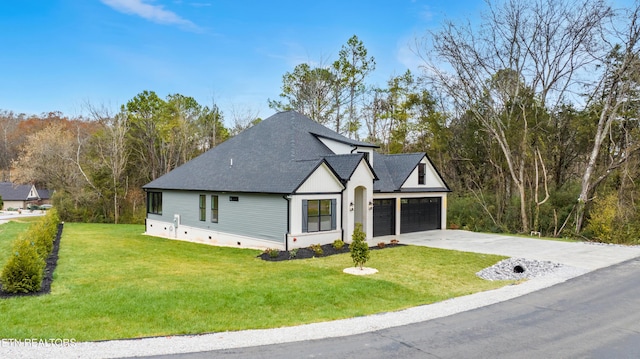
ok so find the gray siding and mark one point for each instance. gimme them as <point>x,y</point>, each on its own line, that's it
<point>261,216</point>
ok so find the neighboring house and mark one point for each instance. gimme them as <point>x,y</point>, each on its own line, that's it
<point>290,182</point>
<point>21,196</point>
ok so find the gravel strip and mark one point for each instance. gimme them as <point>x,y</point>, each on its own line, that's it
<point>518,268</point>
<point>247,338</point>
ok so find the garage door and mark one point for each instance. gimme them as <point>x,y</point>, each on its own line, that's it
<point>420,214</point>
<point>384,217</point>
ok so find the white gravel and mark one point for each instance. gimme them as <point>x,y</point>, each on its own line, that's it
<point>518,268</point>
<point>226,340</point>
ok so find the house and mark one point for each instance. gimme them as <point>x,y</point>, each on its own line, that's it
<point>290,182</point>
<point>21,196</point>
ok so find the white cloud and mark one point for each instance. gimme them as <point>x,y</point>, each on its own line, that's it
<point>155,13</point>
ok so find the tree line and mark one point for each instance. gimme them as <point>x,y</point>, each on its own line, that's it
<point>530,114</point>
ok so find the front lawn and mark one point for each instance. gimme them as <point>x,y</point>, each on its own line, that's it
<point>112,282</point>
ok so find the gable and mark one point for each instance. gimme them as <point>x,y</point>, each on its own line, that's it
<point>322,180</point>
<point>399,172</point>
<point>431,180</point>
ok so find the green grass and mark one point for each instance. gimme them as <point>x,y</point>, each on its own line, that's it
<point>112,282</point>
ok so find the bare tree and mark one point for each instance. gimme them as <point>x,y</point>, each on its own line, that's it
<point>616,91</point>
<point>524,57</point>
<point>112,152</point>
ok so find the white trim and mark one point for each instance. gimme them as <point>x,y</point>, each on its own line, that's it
<point>398,196</point>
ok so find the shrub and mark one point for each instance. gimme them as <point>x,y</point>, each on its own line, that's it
<point>611,221</point>
<point>273,253</point>
<point>394,241</point>
<point>317,249</point>
<point>43,233</point>
<point>24,270</point>
<point>338,244</point>
<point>359,248</point>
<point>293,253</point>
<point>381,244</point>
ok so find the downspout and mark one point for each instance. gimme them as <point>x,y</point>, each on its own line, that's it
<point>286,235</point>
<point>342,209</point>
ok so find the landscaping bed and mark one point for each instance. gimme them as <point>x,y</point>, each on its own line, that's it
<point>308,252</point>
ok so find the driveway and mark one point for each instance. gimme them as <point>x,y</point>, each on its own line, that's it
<point>7,216</point>
<point>587,256</point>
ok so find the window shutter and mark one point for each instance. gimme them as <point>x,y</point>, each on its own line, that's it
<point>305,214</point>
<point>333,214</point>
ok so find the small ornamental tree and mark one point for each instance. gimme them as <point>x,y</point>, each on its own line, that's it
<point>359,248</point>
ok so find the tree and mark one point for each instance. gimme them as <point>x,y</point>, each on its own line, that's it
<point>308,91</point>
<point>615,93</point>
<point>112,154</point>
<point>320,92</point>
<point>513,70</point>
<point>211,130</point>
<point>359,248</point>
<point>350,71</point>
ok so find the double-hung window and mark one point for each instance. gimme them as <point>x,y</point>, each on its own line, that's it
<point>214,208</point>
<point>422,172</point>
<point>318,215</point>
<point>203,207</point>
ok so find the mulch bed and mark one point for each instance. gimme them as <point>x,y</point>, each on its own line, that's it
<point>327,250</point>
<point>52,262</point>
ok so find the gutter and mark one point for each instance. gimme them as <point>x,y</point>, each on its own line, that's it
<point>286,235</point>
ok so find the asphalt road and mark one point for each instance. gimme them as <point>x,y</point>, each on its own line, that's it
<point>596,315</point>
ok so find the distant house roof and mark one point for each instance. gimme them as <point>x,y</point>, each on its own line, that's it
<point>20,192</point>
<point>276,156</point>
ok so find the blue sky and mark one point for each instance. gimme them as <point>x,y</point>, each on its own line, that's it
<point>57,55</point>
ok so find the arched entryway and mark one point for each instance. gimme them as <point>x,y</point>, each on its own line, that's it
<point>360,206</point>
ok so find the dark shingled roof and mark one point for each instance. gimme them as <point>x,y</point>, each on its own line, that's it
<point>277,155</point>
<point>393,171</point>
<point>345,165</point>
<point>14,192</point>
<point>274,156</point>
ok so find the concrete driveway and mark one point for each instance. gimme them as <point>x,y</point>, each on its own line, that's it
<point>7,216</point>
<point>588,256</point>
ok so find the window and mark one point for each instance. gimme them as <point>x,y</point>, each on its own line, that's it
<point>214,209</point>
<point>422,169</point>
<point>318,215</point>
<point>203,207</point>
<point>366,155</point>
<point>154,202</point>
